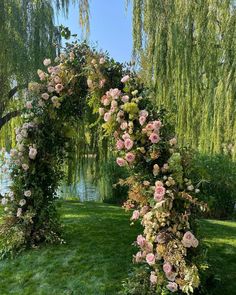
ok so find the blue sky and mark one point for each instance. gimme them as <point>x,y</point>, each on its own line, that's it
<point>110,27</point>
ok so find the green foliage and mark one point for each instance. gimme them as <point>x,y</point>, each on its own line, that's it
<point>215,176</point>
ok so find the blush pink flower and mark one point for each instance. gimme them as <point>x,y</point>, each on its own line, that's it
<point>157,124</point>
<point>159,193</point>
<point>45,96</point>
<point>124,125</point>
<point>153,278</point>
<point>125,79</point>
<point>150,258</point>
<point>59,88</point>
<point>121,162</point>
<point>167,267</point>
<point>143,113</point>
<point>173,287</point>
<point>125,98</point>
<point>130,157</point>
<point>107,117</point>
<point>138,257</point>
<point>149,127</point>
<point>135,215</point>
<point>57,80</point>
<point>189,240</point>
<point>106,101</point>
<point>141,241</point>
<point>154,138</point>
<point>129,143</point>
<point>126,136</point>
<point>120,144</point>
<point>142,120</point>
<point>47,62</point>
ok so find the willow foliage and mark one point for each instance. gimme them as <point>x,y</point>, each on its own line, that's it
<point>187,50</point>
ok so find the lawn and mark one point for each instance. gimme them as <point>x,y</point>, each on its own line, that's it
<point>97,256</point>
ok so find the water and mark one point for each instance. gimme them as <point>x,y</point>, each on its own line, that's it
<point>83,190</point>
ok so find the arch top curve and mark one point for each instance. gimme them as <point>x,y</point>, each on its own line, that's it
<point>86,88</point>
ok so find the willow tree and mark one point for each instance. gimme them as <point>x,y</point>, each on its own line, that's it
<point>187,51</point>
<point>27,35</point>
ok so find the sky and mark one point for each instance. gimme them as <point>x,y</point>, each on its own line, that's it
<point>110,27</point>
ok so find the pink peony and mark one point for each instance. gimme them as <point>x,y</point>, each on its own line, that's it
<point>150,258</point>
<point>135,215</point>
<point>129,143</point>
<point>142,120</point>
<point>130,157</point>
<point>125,79</point>
<point>167,267</point>
<point>59,88</point>
<point>173,287</point>
<point>141,241</point>
<point>153,278</point>
<point>121,162</point>
<point>154,138</point>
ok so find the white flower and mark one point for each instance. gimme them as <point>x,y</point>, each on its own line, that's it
<point>32,153</point>
<point>22,202</point>
<point>4,201</point>
<point>125,79</point>
<point>25,167</point>
<point>19,212</point>
<point>27,193</point>
<point>47,62</point>
<point>45,96</point>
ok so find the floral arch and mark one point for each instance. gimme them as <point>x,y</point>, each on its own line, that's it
<point>83,83</point>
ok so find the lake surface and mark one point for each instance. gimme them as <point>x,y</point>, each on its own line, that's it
<point>84,189</point>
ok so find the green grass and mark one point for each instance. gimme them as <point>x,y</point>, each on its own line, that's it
<point>98,254</point>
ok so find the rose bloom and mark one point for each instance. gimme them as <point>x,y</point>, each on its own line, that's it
<point>150,258</point>
<point>47,62</point>
<point>144,210</point>
<point>130,157</point>
<point>157,124</point>
<point>124,125</point>
<point>173,287</point>
<point>107,117</point>
<point>25,167</point>
<point>101,111</point>
<point>19,212</point>
<point>154,138</point>
<point>173,141</point>
<point>50,89</point>
<point>102,60</point>
<point>156,169</point>
<point>125,79</point>
<point>59,88</point>
<point>142,120</point>
<point>167,267</point>
<point>41,75</point>
<point>4,201</point>
<point>153,278</point>
<point>22,202</point>
<point>129,143</point>
<point>32,153</point>
<point>143,113</point>
<point>102,83</point>
<point>146,183</point>
<point>171,276</point>
<point>126,136</point>
<point>188,240</point>
<point>29,105</point>
<point>57,80</point>
<point>141,241</point>
<point>121,162</point>
<point>120,144</point>
<point>149,127</point>
<point>45,96</point>
<point>158,198</point>
<point>125,98</point>
<point>106,101</point>
<point>135,215</point>
<point>27,193</point>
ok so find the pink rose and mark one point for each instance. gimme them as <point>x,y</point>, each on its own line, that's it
<point>150,258</point>
<point>57,80</point>
<point>130,157</point>
<point>171,276</point>
<point>139,257</point>
<point>121,162</point>
<point>173,287</point>
<point>141,241</point>
<point>167,267</point>
<point>149,127</point>
<point>120,144</point>
<point>153,278</point>
<point>102,83</point>
<point>124,125</point>
<point>125,98</point>
<point>125,136</point>
<point>135,215</point>
<point>143,113</point>
<point>129,143</point>
<point>157,124</point>
<point>107,117</point>
<point>106,101</point>
<point>125,79</point>
<point>59,88</point>
<point>142,120</point>
<point>189,240</point>
<point>45,96</point>
<point>154,138</point>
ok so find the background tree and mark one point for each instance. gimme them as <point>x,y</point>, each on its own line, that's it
<point>187,51</point>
